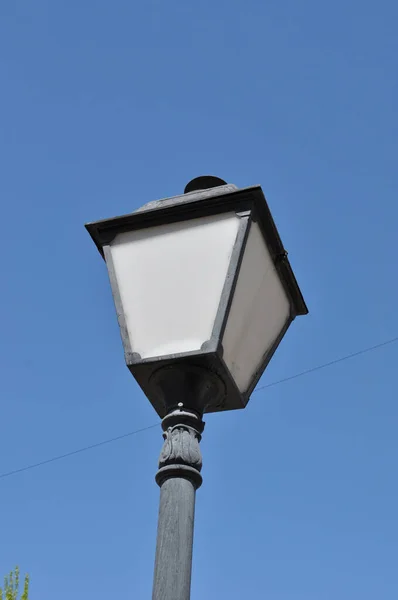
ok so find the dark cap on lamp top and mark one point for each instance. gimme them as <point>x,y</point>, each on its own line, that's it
<point>204,182</point>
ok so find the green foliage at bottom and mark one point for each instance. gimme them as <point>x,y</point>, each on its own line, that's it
<point>12,585</point>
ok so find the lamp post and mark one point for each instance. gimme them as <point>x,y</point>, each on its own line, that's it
<point>204,294</point>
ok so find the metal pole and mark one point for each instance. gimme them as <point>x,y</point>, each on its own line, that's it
<point>178,477</point>
<point>185,391</point>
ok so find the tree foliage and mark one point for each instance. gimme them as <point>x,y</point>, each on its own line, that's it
<point>12,587</point>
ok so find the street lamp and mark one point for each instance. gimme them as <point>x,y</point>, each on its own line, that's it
<point>204,294</point>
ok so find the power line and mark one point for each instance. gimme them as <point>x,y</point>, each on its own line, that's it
<point>60,456</point>
<point>328,364</point>
<point>263,387</point>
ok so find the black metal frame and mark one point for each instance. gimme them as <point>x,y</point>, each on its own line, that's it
<point>250,206</point>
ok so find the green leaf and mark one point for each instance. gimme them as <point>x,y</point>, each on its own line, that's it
<point>11,587</point>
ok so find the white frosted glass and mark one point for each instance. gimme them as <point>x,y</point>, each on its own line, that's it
<point>170,280</point>
<point>259,310</point>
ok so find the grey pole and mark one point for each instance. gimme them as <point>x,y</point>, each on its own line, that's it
<point>178,477</point>
<point>185,392</point>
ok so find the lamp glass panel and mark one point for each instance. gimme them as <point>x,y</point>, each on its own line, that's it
<point>170,278</point>
<point>259,311</point>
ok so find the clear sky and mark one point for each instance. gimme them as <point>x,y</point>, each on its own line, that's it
<point>107,105</point>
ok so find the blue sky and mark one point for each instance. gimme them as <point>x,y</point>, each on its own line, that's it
<point>107,105</point>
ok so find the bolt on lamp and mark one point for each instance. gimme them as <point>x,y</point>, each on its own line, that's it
<point>204,293</point>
